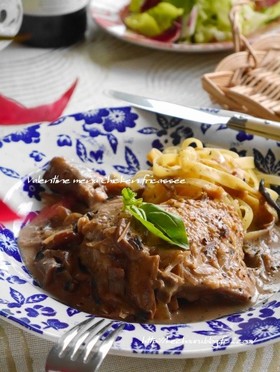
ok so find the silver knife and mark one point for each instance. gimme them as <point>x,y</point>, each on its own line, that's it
<point>249,124</point>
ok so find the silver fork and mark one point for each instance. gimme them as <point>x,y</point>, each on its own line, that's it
<point>84,347</point>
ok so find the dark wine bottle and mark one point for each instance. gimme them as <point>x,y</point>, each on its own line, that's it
<point>53,23</point>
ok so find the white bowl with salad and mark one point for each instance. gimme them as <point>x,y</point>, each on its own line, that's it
<point>185,25</point>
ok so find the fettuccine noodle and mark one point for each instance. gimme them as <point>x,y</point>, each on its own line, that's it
<point>194,172</point>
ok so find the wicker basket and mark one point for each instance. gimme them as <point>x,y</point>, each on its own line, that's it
<point>248,80</point>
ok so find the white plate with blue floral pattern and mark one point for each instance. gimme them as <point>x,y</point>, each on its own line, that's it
<point>109,140</point>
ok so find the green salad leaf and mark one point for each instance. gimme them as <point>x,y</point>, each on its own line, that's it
<point>154,21</point>
<point>187,5</point>
<point>135,6</point>
<point>202,21</point>
<point>159,222</point>
<point>213,23</point>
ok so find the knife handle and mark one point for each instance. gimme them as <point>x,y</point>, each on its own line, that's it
<point>260,127</point>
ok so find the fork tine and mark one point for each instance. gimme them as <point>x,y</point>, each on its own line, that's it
<point>76,332</point>
<point>93,339</point>
<point>87,336</point>
<point>83,347</point>
<point>102,347</point>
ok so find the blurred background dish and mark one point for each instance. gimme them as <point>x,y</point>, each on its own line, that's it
<point>108,14</point>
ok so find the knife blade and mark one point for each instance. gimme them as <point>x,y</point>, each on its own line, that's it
<point>239,122</point>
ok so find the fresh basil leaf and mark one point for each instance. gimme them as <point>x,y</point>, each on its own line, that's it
<point>154,230</point>
<point>129,198</point>
<point>167,222</point>
<point>159,222</point>
<point>139,211</point>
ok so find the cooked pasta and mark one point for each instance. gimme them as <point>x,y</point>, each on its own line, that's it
<point>219,173</point>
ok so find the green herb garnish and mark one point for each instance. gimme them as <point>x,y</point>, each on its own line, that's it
<point>164,225</point>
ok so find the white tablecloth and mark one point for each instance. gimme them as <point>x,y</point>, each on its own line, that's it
<point>39,76</point>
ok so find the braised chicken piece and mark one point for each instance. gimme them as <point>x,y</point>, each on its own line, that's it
<point>100,259</point>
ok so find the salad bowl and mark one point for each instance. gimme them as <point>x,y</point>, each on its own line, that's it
<point>109,15</point>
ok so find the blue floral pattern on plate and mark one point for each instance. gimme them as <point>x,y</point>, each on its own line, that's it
<point>109,140</point>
